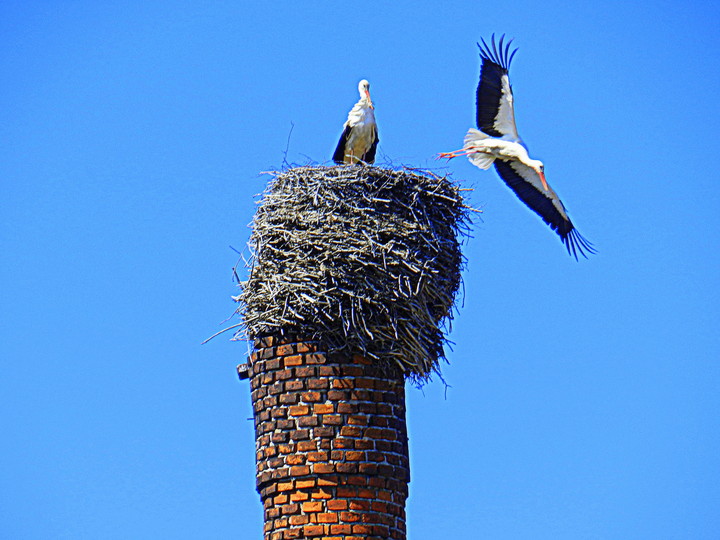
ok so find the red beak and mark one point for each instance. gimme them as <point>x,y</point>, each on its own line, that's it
<point>369,100</point>
<point>542,178</point>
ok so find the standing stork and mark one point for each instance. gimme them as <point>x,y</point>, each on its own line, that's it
<point>359,139</point>
<point>497,142</point>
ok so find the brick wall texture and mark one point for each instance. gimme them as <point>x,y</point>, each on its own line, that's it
<point>332,450</point>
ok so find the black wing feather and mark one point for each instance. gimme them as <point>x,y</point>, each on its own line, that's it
<point>543,206</point>
<point>369,156</point>
<point>495,63</point>
<point>339,155</point>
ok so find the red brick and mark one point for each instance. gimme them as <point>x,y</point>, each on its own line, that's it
<point>321,494</point>
<point>337,504</point>
<point>327,480</point>
<point>285,486</point>
<point>300,470</point>
<point>357,420</point>
<point>294,360</point>
<point>296,435</point>
<point>292,508</point>
<point>323,468</point>
<point>327,517</point>
<point>360,395</point>
<point>342,443</point>
<point>343,491</point>
<point>305,347</point>
<point>272,364</point>
<point>272,513</point>
<point>295,459</point>
<point>317,456</point>
<point>305,484</point>
<point>347,468</point>
<point>305,446</point>
<point>283,350</point>
<point>310,397</point>
<point>298,410</point>
<point>324,431</point>
<point>315,358</point>
<point>350,517</point>
<point>312,506</point>
<point>332,419</point>
<point>366,493</point>
<point>362,529</point>
<point>368,468</point>
<point>286,398</point>
<point>267,352</point>
<point>358,480</point>
<point>298,520</point>
<point>328,371</point>
<point>341,528</point>
<point>307,421</point>
<point>294,386</point>
<point>360,505</point>
<point>374,433</point>
<point>353,455</point>
<point>347,408</point>
<point>318,384</point>
<point>313,530</point>
<point>280,499</point>
<point>323,408</point>
<point>367,408</point>
<point>375,456</point>
<point>305,372</point>
<point>283,375</point>
<point>351,431</point>
<point>363,444</point>
<point>299,496</point>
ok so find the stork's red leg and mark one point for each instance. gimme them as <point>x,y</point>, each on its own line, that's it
<point>454,154</point>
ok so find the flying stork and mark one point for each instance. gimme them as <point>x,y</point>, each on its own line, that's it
<point>359,139</point>
<point>497,142</point>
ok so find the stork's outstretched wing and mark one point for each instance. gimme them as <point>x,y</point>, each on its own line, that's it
<point>495,112</point>
<point>526,184</point>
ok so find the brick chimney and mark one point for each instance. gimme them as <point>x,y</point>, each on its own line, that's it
<point>331,441</point>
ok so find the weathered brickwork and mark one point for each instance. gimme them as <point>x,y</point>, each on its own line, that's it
<point>332,452</point>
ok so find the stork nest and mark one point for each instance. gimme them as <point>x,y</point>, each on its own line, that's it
<point>363,259</point>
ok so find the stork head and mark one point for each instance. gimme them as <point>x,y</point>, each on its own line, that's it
<point>364,89</point>
<point>539,168</point>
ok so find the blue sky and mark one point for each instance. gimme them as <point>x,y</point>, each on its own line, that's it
<point>584,397</point>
